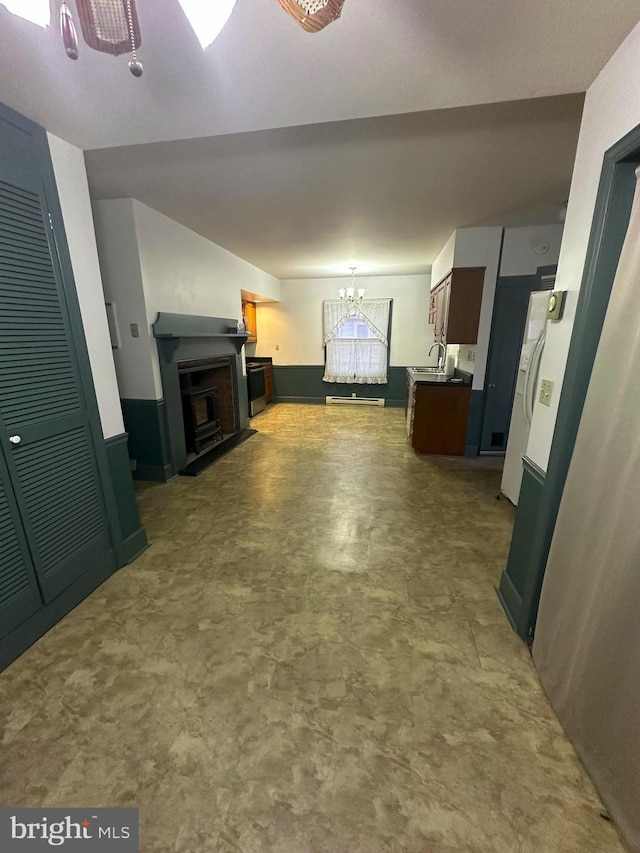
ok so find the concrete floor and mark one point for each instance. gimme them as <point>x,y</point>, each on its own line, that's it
<point>309,657</point>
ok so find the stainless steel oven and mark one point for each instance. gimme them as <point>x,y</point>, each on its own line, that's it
<point>256,386</point>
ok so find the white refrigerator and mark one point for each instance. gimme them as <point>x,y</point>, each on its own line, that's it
<point>526,394</point>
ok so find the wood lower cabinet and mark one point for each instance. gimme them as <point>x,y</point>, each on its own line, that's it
<point>437,418</point>
<point>454,306</point>
<point>268,382</point>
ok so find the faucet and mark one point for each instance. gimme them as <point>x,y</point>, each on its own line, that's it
<point>441,355</point>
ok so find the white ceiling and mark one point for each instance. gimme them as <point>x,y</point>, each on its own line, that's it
<point>382,57</point>
<point>370,141</point>
<point>384,193</point>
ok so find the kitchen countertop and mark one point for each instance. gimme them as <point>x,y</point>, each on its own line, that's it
<point>433,378</point>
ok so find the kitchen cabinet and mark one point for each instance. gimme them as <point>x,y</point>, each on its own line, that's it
<point>437,415</point>
<point>454,306</point>
<point>268,382</point>
<point>250,322</point>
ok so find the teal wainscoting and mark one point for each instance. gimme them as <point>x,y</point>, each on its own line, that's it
<point>474,424</point>
<point>522,567</point>
<point>134,538</point>
<point>146,425</point>
<point>302,383</point>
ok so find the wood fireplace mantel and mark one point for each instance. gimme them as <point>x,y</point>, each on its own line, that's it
<point>177,326</point>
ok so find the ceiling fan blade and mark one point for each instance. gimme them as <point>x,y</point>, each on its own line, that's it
<point>104,25</point>
<point>313,15</point>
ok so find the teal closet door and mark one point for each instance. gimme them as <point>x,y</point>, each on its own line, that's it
<point>19,594</point>
<point>45,423</point>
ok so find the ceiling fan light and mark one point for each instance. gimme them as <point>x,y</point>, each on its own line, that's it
<point>36,11</point>
<point>207,19</point>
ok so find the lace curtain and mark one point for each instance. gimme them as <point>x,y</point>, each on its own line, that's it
<point>357,360</point>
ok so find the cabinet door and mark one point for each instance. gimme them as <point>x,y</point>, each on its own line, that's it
<point>440,420</point>
<point>268,383</point>
<point>249,313</point>
<point>433,308</point>
<point>443,309</point>
<point>45,428</point>
<point>464,303</point>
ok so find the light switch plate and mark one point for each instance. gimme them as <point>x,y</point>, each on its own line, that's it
<point>546,389</point>
<point>135,330</point>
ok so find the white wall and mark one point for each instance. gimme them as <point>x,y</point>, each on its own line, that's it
<point>480,247</point>
<point>151,263</point>
<point>184,273</point>
<point>612,108</point>
<point>73,191</point>
<point>295,324</point>
<point>122,280</point>
<point>519,256</point>
<point>444,262</point>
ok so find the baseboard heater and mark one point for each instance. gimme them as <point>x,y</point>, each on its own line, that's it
<point>354,401</point>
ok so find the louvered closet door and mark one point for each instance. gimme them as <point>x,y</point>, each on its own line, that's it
<point>19,594</point>
<point>44,424</point>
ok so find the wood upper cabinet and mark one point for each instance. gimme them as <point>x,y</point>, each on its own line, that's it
<point>250,322</point>
<point>454,306</point>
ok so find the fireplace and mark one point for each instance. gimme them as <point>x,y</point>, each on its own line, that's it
<point>205,395</point>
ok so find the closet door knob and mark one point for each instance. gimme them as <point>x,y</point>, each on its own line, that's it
<point>15,439</point>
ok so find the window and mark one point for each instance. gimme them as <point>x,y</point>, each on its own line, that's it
<point>355,329</point>
<point>356,341</point>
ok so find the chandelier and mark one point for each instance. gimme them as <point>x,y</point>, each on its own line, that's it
<point>348,294</point>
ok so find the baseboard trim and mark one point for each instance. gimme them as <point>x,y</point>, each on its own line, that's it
<point>320,401</point>
<point>155,473</point>
<point>312,401</point>
<point>134,545</point>
<point>509,599</point>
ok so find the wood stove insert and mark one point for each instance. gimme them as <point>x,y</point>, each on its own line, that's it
<point>206,388</point>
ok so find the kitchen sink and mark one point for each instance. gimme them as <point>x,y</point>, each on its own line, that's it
<point>426,369</point>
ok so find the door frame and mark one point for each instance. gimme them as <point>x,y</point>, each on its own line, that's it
<point>536,522</point>
<point>78,338</point>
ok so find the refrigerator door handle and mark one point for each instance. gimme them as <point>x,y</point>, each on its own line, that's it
<point>531,377</point>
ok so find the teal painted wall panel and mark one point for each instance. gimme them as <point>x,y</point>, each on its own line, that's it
<point>133,534</point>
<point>145,422</point>
<point>522,563</point>
<point>303,384</point>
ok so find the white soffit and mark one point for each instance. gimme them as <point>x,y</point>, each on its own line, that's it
<point>385,193</point>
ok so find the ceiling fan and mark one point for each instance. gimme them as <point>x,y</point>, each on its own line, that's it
<point>313,15</point>
<point>112,26</point>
